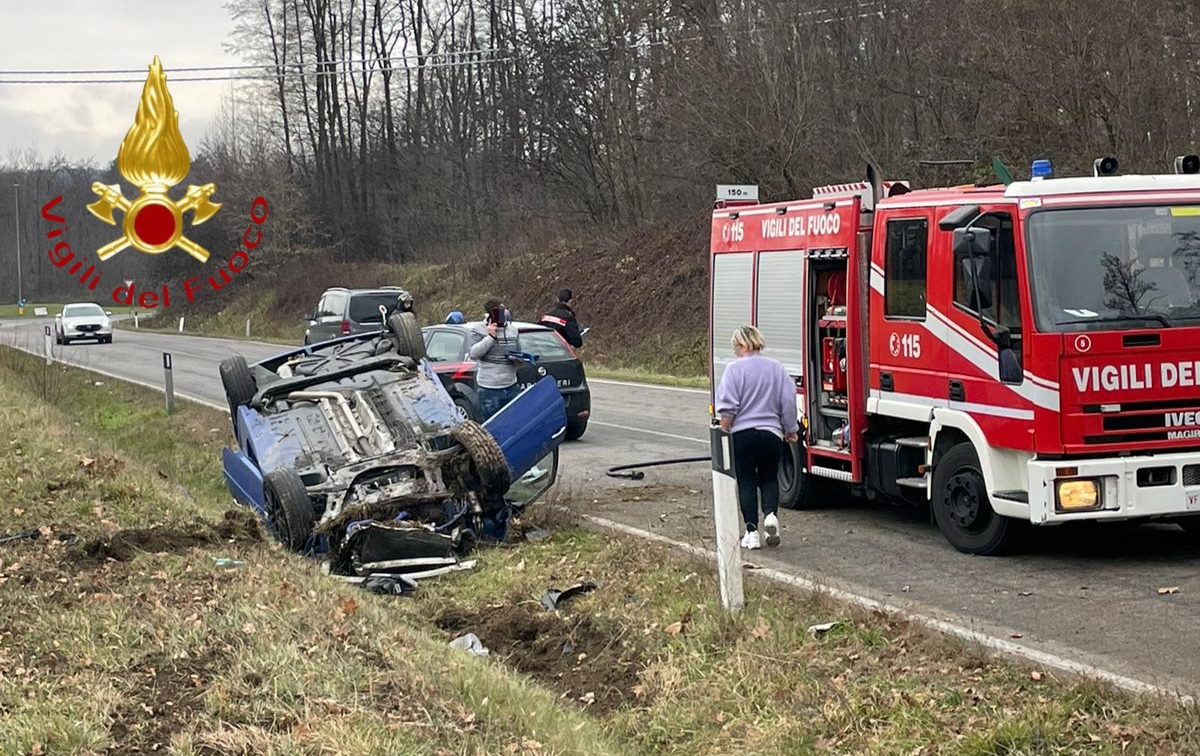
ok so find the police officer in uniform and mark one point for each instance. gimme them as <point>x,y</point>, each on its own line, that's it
<point>561,317</point>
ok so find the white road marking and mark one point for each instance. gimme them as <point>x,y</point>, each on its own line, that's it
<point>144,384</point>
<point>632,384</point>
<point>651,432</point>
<point>990,642</point>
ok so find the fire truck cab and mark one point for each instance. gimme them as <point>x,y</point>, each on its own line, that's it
<point>1020,353</point>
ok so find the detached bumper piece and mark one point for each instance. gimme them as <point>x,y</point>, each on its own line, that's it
<point>390,557</point>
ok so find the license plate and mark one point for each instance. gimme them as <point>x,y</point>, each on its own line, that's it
<point>1193,501</point>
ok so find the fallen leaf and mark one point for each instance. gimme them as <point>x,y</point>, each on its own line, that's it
<point>1037,676</point>
<point>86,461</point>
<point>588,698</point>
<point>18,512</point>
<point>1165,591</point>
<point>638,691</point>
<point>674,628</point>
<point>1016,635</point>
<point>348,606</point>
<point>520,566</point>
<point>762,629</point>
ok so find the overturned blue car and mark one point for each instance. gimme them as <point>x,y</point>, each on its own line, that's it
<point>352,448</point>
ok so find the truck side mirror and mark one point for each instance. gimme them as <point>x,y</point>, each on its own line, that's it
<point>1009,369</point>
<point>973,241</point>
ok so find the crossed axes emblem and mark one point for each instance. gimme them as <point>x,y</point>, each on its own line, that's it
<point>111,198</point>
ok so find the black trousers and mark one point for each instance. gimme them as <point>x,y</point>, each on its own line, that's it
<point>756,458</point>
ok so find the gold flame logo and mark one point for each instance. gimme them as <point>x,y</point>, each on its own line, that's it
<point>154,158</point>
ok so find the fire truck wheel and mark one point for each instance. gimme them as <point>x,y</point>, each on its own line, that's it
<point>961,506</point>
<point>798,489</point>
<point>1191,525</point>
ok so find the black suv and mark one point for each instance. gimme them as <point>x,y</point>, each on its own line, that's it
<point>342,312</point>
<point>446,348</point>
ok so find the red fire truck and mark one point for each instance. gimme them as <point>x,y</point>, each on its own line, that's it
<point>1027,352</point>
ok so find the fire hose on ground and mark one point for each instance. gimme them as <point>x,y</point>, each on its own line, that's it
<point>634,471</point>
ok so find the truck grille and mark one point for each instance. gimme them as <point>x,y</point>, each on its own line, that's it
<point>1191,475</point>
<point>1176,421</point>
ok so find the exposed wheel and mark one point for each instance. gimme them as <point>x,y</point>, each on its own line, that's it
<point>487,459</point>
<point>797,488</point>
<point>961,506</point>
<point>106,340</point>
<point>465,410</point>
<point>576,428</point>
<point>289,508</point>
<point>406,335</point>
<point>239,383</point>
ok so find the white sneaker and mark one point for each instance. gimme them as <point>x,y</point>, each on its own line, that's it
<point>750,540</point>
<point>771,526</point>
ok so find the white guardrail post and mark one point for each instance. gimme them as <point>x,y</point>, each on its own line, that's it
<point>168,383</point>
<point>49,345</point>
<point>727,521</point>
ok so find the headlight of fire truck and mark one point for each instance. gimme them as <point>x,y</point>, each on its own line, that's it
<point>1078,495</point>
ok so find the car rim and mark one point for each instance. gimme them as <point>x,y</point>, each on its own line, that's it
<point>275,517</point>
<point>461,411</point>
<point>966,504</point>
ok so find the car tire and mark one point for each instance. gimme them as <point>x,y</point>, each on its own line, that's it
<point>289,508</point>
<point>239,383</point>
<point>799,489</point>
<point>961,506</point>
<point>487,458</point>
<point>406,335</point>
<point>576,429</point>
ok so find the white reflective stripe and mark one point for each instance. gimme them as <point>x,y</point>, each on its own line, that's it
<point>1052,385</point>
<point>829,472</point>
<point>985,362</point>
<point>929,401</point>
<point>876,279</point>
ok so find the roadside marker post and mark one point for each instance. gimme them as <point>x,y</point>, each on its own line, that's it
<point>168,383</point>
<point>135,319</point>
<point>247,327</point>
<point>181,324</point>
<point>49,346</point>
<point>725,517</point>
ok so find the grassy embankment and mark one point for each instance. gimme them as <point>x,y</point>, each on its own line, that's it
<point>135,637</point>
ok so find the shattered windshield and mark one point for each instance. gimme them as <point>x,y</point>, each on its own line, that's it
<point>1115,267</point>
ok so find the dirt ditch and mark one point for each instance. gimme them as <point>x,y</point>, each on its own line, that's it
<point>596,666</point>
<point>166,694</point>
<point>239,526</point>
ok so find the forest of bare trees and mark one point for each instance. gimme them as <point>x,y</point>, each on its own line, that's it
<point>400,129</point>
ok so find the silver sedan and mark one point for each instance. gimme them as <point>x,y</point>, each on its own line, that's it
<point>83,320</point>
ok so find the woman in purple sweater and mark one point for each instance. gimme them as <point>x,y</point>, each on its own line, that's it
<point>757,404</point>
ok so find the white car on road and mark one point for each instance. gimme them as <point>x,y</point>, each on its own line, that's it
<point>83,320</point>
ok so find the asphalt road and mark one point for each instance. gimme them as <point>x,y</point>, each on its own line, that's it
<point>1086,593</point>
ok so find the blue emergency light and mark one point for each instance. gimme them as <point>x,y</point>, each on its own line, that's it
<point>1042,169</point>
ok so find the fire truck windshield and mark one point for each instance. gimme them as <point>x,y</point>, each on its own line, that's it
<point>1115,267</point>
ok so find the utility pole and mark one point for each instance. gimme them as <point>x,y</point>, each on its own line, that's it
<point>17,218</point>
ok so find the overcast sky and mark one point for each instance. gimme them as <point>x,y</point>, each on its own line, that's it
<point>89,121</point>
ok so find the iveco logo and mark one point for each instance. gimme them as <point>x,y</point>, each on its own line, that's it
<point>541,371</point>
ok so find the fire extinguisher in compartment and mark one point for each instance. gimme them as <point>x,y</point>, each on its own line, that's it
<point>833,364</point>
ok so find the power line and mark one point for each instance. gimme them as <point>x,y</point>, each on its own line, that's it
<point>368,65</point>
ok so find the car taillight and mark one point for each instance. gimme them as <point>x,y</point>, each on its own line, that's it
<point>464,371</point>
<point>345,326</point>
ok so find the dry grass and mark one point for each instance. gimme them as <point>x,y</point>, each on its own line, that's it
<point>164,648</point>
